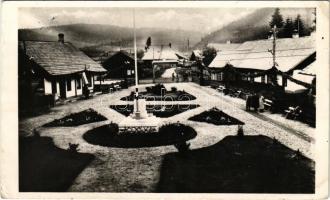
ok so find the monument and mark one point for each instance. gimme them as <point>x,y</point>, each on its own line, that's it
<point>140,120</point>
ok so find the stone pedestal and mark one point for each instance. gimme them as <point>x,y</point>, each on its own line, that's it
<point>140,119</point>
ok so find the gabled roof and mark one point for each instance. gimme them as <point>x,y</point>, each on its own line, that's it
<point>59,58</point>
<point>256,55</point>
<point>164,53</point>
<point>118,59</point>
<point>121,53</point>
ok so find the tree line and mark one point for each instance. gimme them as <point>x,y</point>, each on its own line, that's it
<point>289,26</point>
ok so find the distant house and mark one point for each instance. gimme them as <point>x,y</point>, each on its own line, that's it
<point>196,55</point>
<point>255,57</point>
<point>120,65</point>
<point>163,56</point>
<point>55,68</point>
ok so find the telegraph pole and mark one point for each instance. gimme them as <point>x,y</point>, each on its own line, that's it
<point>274,46</point>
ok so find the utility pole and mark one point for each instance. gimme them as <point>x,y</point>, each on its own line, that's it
<point>274,46</point>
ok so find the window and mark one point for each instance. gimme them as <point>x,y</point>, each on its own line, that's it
<point>68,84</point>
<point>78,81</point>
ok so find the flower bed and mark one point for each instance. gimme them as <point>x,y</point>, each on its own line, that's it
<point>76,119</point>
<point>216,117</point>
<point>159,93</point>
<point>170,134</point>
<point>157,110</point>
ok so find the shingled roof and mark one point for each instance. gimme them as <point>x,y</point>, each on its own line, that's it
<point>256,55</point>
<point>59,58</point>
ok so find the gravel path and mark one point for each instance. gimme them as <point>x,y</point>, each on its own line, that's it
<point>129,170</point>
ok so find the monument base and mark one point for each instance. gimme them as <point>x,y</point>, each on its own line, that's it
<point>139,120</point>
<point>130,124</point>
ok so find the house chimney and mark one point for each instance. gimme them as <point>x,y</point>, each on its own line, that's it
<point>295,33</point>
<point>61,37</point>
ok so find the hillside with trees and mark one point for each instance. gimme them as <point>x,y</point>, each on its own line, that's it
<point>84,35</point>
<point>258,24</point>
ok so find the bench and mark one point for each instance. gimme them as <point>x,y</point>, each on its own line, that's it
<point>292,112</point>
<point>117,87</point>
<point>268,104</point>
<point>221,88</point>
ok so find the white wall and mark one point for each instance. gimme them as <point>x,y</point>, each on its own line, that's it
<point>279,79</point>
<point>72,92</point>
<point>257,79</point>
<point>79,91</point>
<point>58,87</point>
<point>47,86</point>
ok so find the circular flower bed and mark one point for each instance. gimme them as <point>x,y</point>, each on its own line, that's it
<point>170,134</point>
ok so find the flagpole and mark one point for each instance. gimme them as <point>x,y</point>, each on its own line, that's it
<point>135,54</point>
<point>135,66</point>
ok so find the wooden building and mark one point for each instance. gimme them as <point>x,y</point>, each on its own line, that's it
<point>252,58</point>
<point>54,68</point>
<point>120,65</point>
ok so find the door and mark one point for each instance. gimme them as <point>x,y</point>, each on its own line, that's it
<point>62,89</point>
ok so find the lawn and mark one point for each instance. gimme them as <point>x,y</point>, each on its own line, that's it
<point>157,110</point>
<point>76,119</point>
<point>45,168</point>
<point>248,164</point>
<point>216,117</point>
<point>170,134</point>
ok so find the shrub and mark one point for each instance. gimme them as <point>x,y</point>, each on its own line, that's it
<point>174,89</point>
<point>148,89</point>
<point>73,147</point>
<point>157,89</point>
<point>182,147</point>
<point>113,127</point>
<point>240,131</point>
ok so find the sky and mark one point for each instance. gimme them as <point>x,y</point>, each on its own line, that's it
<point>204,20</point>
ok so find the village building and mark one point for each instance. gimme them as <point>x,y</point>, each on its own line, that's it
<point>163,56</point>
<point>196,55</point>
<point>252,58</point>
<point>120,65</point>
<point>157,60</point>
<point>56,69</point>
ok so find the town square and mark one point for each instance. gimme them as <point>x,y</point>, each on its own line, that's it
<point>145,100</point>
